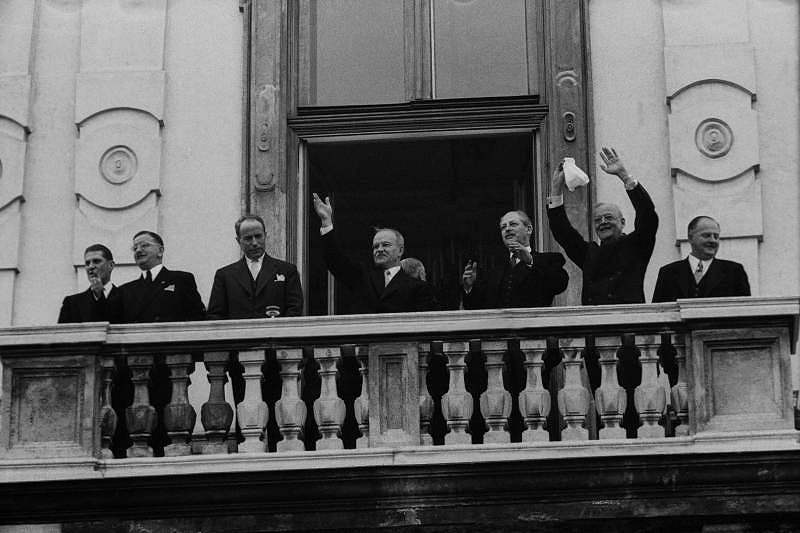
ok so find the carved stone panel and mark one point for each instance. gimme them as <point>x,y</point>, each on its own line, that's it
<point>713,132</point>
<point>119,108</point>
<point>49,408</point>
<point>741,380</point>
<point>394,395</point>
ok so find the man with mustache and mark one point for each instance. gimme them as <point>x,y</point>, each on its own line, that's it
<point>701,274</point>
<point>613,270</point>
<point>382,287</point>
<point>528,279</point>
<point>92,305</point>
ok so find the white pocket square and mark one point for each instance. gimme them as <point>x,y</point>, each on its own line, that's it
<point>280,277</point>
<point>170,288</point>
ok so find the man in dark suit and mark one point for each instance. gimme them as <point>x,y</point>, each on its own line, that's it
<point>256,286</point>
<point>613,271</point>
<point>383,287</point>
<point>246,288</point>
<point>159,294</point>
<point>527,279</point>
<point>92,305</point>
<point>701,274</point>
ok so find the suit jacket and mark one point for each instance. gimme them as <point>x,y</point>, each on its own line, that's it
<point>723,278</point>
<point>533,286</point>
<point>171,297</point>
<point>613,273</point>
<point>235,295</point>
<point>84,307</point>
<point>402,294</point>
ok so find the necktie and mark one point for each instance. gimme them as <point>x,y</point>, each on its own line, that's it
<point>387,277</point>
<point>253,268</point>
<point>698,273</point>
<point>148,277</point>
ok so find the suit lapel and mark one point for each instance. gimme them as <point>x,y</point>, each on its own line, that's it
<point>712,278</point>
<point>266,274</point>
<point>685,278</point>
<point>243,276</point>
<point>395,284</point>
<point>149,293</point>
<point>376,281</point>
<point>85,304</point>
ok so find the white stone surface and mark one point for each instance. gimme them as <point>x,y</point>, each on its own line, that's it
<point>179,62</point>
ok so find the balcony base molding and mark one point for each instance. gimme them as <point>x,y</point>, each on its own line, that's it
<point>740,478</point>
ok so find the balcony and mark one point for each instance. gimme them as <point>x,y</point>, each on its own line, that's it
<point>561,418</point>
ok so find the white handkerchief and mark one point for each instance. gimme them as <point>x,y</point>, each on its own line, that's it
<point>280,277</point>
<point>573,176</point>
<point>170,288</point>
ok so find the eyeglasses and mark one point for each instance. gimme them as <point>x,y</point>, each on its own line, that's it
<point>144,245</point>
<point>605,218</point>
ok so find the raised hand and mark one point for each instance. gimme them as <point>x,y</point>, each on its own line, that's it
<point>324,210</point>
<point>520,252</point>
<point>612,164</point>
<point>557,181</point>
<point>96,285</point>
<point>469,275</point>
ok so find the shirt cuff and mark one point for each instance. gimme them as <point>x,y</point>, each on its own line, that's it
<point>325,229</point>
<point>555,200</point>
<point>631,184</point>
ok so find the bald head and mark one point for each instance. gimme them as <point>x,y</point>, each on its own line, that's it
<point>608,222</point>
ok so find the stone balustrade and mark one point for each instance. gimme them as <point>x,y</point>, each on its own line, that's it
<point>709,369</point>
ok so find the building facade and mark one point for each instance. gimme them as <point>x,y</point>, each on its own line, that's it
<point>433,116</point>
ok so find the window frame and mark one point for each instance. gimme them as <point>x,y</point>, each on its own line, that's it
<point>278,124</point>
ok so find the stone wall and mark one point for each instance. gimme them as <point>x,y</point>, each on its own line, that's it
<point>115,116</point>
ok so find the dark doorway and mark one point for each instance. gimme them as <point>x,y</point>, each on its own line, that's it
<point>445,195</point>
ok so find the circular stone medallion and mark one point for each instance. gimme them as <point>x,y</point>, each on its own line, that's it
<point>713,138</point>
<point>118,165</point>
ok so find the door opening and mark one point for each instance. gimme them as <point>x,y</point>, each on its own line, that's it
<point>445,195</point>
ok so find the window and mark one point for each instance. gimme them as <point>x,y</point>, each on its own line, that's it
<point>338,83</point>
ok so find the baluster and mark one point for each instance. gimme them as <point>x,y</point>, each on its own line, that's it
<point>140,416</point>
<point>108,417</point>
<point>425,399</point>
<point>649,397</point>
<point>573,399</point>
<point>252,412</point>
<point>361,404</point>
<point>534,400</point>
<point>495,402</point>
<point>216,414</point>
<point>329,409</point>
<point>610,398</point>
<point>457,403</point>
<point>290,410</point>
<point>680,392</point>
<point>179,415</point>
